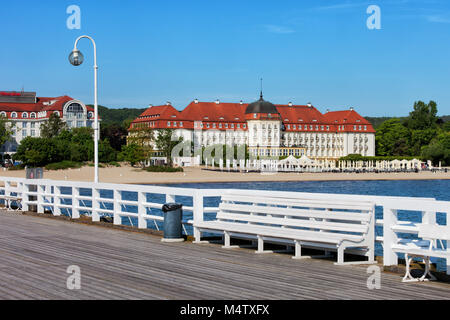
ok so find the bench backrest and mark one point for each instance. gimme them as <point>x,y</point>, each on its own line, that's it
<point>434,232</point>
<point>333,216</point>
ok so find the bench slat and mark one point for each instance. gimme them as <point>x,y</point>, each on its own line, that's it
<point>322,225</point>
<point>335,215</point>
<point>305,235</point>
<point>329,204</point>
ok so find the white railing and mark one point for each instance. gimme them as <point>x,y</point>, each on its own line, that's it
<point>89,199</point>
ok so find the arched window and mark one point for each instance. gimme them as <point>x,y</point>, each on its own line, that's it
<point>13,115</point>
<point>74,110</point>
<point>90,114</point>
<point>33,115</point>
<point>57,113</point>
<point>24,115</point>
<point>3,114</point>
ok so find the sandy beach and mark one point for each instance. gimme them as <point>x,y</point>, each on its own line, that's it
<point>130,175</point>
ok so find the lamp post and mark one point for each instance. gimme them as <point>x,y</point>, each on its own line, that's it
<point>76,58</point>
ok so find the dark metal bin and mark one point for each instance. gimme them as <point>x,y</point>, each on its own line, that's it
<point>173,213</point>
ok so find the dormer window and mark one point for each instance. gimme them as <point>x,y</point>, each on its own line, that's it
<point>24,115</point>
<point>13,115</point>
<point>33,115</point>
<point>254,115</point>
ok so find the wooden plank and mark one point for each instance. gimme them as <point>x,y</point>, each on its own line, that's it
<point>35,253</point>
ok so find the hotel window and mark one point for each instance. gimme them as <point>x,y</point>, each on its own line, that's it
<point>13,115</point>
<point>33,125</point>
<point>232,126</point>
<point>24,124</point>
<point>244,126</point>
<point>238,126</point>
<point>317,128</point>
<point>321,128</point>
<point>24,133</point>
<point>365,128</point>
<point>174,123</point>
<point>80,124</point>
<point>226,125</point>
<point>289,127</point>
<point>24,115</point>
<point>328,128</point>
<point>343,127</point>
<point>220,125</point>
<point>294,126</point>
<point>354,127</point>
<point>360,128</point>
<point>310,127</point>
<point>168,123</point>
<point>33,115</point>
<point>181,123</point>
<point>33,133</point>
<point>299,127</point>
<point>254,115</point>
<point>214,125</point>
<point>207,125</point>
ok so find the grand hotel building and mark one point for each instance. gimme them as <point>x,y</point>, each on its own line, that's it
<point>267,129</point>
<point>25,112</point>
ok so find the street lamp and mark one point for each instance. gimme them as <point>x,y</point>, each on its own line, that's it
<point>76,58</point>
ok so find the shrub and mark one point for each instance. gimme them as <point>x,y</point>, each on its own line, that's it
<point>63,165</point>
<point>163,169</point>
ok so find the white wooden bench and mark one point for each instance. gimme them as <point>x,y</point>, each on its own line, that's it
<point>9,200</point>
<point>425,248</point>
<point>332,225</point>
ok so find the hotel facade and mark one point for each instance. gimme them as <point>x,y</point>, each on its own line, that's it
<point>267,129</point>
<point>25,113</point>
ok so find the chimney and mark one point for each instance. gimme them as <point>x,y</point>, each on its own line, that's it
<point>241,102</point>
<point>168,103</point>
<point>351,109</point>
<point>290,104</point>
<point>196,101</point>
<point>217,101</point>
<point>309,105</point>
<point>150,105</point>
<point>328,110</point>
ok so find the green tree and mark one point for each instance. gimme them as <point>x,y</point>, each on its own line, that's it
<point>5,130</point>
<point>392,139</point>
<point>36,152</point>
<point>132,154</point>
<point>423,116</point>
<point>438,149</point>
<point>53,127</point>
<point>165,142</point>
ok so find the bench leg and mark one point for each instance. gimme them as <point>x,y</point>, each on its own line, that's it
<point>260,245</point>
<point>340,255</point>
<point>409,278</point>
<point>298,251</point>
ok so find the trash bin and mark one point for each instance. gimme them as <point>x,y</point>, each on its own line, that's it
<point>173,213</point>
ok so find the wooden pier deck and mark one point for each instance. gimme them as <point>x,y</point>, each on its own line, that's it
<point>35,253</point>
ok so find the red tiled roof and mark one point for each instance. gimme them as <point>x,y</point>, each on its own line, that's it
<point>42,104</point>
<point>212,112</point>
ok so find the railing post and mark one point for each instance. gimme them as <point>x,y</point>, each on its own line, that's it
<point>197,213</point>
<point>448,244</point>
<point>75,203</point>
<point>389,237</point>
<point>142,223</point>
<point>95,204</point>
<point>117,207</point>
<point>40,197</point>
<point>25,198</point>
<point>57,201</point>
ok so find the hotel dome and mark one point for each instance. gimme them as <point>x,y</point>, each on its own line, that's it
<point>261,106</point>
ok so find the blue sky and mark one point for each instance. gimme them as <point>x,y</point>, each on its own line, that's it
<point>150,52</point>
